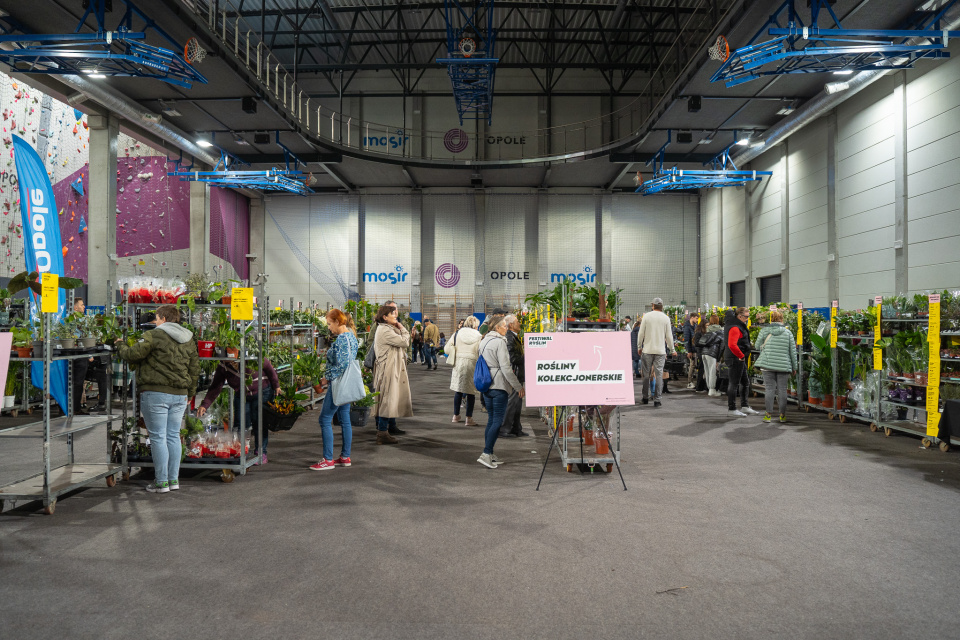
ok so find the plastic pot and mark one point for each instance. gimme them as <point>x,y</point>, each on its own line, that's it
<point>205,348</point>
<point>811,399</point>
<point>24,352</point>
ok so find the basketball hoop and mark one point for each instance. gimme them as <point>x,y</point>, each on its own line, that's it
<point>637,180</point>
<point>193,52</point>
<point>467,46</point>
<point>720,50</point>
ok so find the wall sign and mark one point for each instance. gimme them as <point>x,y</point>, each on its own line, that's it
<point>586,276</point>
<point>448,275</point>
<point>507,140</point>
<point>396,276</point>
<point>509,275</point>
<point>456,140</point>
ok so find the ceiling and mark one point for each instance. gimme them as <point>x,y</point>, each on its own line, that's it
<point>646,50</point>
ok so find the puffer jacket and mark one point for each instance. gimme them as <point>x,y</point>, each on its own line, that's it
<point>165,360</point>
<point>777,349</point>
<point>714,342</point>
<point>467,342</point>
<point>736,337</point>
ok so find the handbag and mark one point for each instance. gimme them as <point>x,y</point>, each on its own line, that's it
<point>370,358</point>
<point>349,386</point>
<point>451,350</point>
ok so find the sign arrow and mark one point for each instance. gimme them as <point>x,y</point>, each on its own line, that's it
<point>597,349</point>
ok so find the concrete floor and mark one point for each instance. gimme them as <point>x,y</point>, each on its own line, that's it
<point>730,528</point>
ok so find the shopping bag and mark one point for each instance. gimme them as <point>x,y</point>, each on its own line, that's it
<point>348,387</point>
<point>451,350</point>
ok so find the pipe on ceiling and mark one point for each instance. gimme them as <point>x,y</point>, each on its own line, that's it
<point>823,102</point>
<point>148,120</point>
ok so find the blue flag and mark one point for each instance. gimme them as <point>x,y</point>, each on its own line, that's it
<point>42,248</point>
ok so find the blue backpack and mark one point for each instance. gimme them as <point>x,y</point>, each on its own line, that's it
<point>482,379</point>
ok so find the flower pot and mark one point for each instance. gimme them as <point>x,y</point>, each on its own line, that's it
<point>277,421</point>
<point>8,401</point>
<point>603,447</point>
<point>66,343</point>
<point>225,299</point>
<point>811,399</point>
<point>88,343</point>
<point>24,352</point>
<point>205,348</point>
<point>233,353</point>
<point>828,400</point>
<point>841,402</point>
<point>588,437</point>
<point>318,389</point>
<point>920,377</point>
<point>358,417</point>
<point>38,349</point>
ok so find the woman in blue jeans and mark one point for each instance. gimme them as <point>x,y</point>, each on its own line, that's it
<point>341,353</point>
<point>494,351</point>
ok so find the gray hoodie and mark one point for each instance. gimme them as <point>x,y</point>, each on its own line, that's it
<point>177,332</point>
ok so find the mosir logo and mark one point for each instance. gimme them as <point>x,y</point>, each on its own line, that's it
<point>394,142</point>
<point>448,275</point>
<point>397,276</point>
<point>456,140</point>
<point>585,277</point>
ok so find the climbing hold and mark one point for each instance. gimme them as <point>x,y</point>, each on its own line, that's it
<point>77,185</point>
<point>64,251</point>
<point>83,225</point>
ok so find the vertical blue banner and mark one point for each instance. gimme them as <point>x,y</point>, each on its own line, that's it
<point>43,250</point>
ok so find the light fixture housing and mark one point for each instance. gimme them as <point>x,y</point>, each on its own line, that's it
<point>206,144</point>
<point>743,141</point>
<point>843,72</point>
<point>836,87</point>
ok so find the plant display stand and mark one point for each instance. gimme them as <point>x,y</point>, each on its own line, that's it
<point>57,441</point>
<point>578,441</point>
<point>301,339</point>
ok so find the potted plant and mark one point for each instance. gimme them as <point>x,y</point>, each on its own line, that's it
<point>86,331</point>
<point>282,412</point>
<point>13,385</point>
<point>22,340</point>
<point>360,410</point>
<point>220,291</point>
<point>821,374</point>
<point>64,335</point>
<point>229,340</point>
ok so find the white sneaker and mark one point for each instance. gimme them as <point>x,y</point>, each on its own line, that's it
<point>713,393</point>
<point>736,414</point>
<point>692,385</point>
<point>749,411</point>
<point>486,459</point>
<point>497,461</point>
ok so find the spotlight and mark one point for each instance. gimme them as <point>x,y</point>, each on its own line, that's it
<point>97,76</point>
<point>206,144</point>
<point>836,87</point>
<point>743,142</point>
<point>843,72</point>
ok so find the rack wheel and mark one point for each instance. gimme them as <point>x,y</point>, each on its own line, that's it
<point>569,468</point>
<point>226,475</point>
<point>50,508</point>
<point>807,408</point>
<point>830,416</point>
<point>125,475</point>
<point>609,467</point>
<point>843,418</point>
<point>944,447</point>
<point>111,481</point>
<point>887,431</point>
<point>29,412</point>
<point>874,427</point>
<point>927,443</point>
<point>15,412</point>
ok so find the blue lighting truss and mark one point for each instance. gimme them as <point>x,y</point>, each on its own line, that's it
<point>290,179</point>
<point>119,52</point>
<point>470,60</point>
<point>800,48</point>
<point>723,173</point>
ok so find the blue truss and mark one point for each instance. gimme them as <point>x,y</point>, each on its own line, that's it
<point>724,173</point>
<point>290,179</point>
<point>800,48</point>
<point>470,60</point>
<point>110,53</point>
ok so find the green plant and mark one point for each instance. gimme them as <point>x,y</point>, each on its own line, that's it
<point>64,331</point>
<point>197,286</point>
<point>22,335</point>
<point>821,373</point>
<point>220,289</point>
<point>368,400</point>
<point>24,280</point>
<point>109,328</point>
<point>14,381</point>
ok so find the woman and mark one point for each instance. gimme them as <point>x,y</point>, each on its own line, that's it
<point>341,353</point>
<point>168,369</point>
<point>390,373</point>
<point>416,337</point>
<point>710,344</point>
<point>736,350</point>
<point>493,349</point>
<point>467,342</point>
<point>229,373</point>
<point>778,360</point>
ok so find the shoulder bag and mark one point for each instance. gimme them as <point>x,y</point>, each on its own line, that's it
<point>371,356</point>
<point>349,386</point>
<point>482,379</point>
<point>451,350</point>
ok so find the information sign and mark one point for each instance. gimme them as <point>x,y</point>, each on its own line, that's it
<point>49,293</point>
<point>877,351</point>
<point>565,369</point>
<point>799,324</point>
<point>241,303</point>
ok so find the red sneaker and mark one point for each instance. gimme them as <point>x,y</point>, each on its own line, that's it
<point>342,462</point>
<point>323,465</point>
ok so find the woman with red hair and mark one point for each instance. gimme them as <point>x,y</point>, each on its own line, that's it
<point>341,353</point>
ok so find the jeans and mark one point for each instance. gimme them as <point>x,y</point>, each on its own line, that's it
<point>496,400</point>
<point>636,368</point>
<point>417,351</point>
<point>710,372</point>
<point>654,362</point>
<point>430,355</point>
<point>458,398</point>
<point>163,413</point>
<point>250,417</point>
<point>775,383</point>
<point>326,427</point>
<point>738,378</point>
<point>385,423</point>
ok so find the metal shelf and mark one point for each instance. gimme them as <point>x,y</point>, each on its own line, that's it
<point>851,337</point>
<point>904,381</point>
<point>921,407</point>
<point>907,426</point>
<point>61,480</point>
<point>62,426</point>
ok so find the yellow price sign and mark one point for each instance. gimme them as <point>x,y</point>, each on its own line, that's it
<point>933,328</point>
<point>933,412</point>
<point>878,305</point>
<point>877,359</point>
<point>800,324</point>
<point>50,293</point>
<point>833,338</point>
<point>241,303</point>
<point>833,313</point>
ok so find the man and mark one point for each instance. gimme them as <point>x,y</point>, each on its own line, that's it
<point>627,324</point>
<point>654,338</point>
<point>511,427</point>
<point>689,327</point>
<point>736,349</point>
<point>485,325</point>
<point>431,338</point>
<point>392,427</point>
<point>88,369</point>
<point>634,349</point>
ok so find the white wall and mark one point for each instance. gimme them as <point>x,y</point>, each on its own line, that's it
<point>807,171</point>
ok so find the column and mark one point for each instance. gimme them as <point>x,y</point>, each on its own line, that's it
<point>750,286</point>
<point>102,248</point>
<point>900,240</point>
<point>785,222</point>
<point>200,228</point>
<point>833,256</point>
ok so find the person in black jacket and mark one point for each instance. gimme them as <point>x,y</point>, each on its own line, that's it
<point>689,328</point>
<point>736,350</point>
<point>634,349</point>
<point>511,427</point>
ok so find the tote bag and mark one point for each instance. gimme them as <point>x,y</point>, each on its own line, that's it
<point>452,351</point>
<point>348,387</point>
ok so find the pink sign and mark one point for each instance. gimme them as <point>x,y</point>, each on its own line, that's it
<point>565,369</point>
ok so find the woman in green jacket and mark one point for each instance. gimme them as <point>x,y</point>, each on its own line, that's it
<point>777,360</point>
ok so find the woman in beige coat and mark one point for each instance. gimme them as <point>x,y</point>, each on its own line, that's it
<point>467,343</point>
<point>390,373</point>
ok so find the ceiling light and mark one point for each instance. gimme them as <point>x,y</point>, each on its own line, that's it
<point>743,142</point>
<point>170,111</point>
<point>789,108</point>
<point>843,72</point>
<point>706,140</point>
<point>836,87</point>
<point>96,75</point>
<point>87,70</point>
<point>240,141</point>
<point>206,144</point>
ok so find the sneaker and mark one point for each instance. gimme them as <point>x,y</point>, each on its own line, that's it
<point>766,418</point>
<point>174,485</point>
<point>733,413</point>
<point>692,385</point>
<point>523,434</point>
<point>783,419</point>
<point>749,411</point>
<point>323,465</point>
<point>342,462</point>
<point>158,487</point>
<point>656,404</point>
<point>470,422</point>
<point>263,458</point>
<point>455,419</point>
<point>645,401</point>
<point>714,393</point>
<point>486,459</point>
<point>497,461</point>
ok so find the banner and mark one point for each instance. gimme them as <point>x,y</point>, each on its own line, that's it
<point>42,248</point>
<point>588,368</point>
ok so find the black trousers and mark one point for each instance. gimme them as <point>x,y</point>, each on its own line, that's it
<point>511,418</point>
<point>83,369</point>
<point>737,380</point>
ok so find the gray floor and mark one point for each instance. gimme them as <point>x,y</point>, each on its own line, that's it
<point>730,528</point>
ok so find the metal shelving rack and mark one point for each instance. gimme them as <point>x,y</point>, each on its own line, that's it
<point>844,415</point>
<point>53,481</point>
<point>293,331</point>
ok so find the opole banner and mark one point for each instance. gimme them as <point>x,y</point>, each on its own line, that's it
<point>565,369</point>
<point>42,246</point>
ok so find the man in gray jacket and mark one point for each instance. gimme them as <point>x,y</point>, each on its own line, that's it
<point>511,427</point>
<point>653,339</point>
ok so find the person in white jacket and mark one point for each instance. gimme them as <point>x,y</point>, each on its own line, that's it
<point>466,343</point>
<point>653,340</point>
<point>494,351</point>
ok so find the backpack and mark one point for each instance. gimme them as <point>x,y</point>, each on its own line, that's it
<point>482,379</point>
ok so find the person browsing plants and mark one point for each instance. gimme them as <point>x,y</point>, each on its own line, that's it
<point>736,349</point>
<point>341,353</point>
<point>777,360</point>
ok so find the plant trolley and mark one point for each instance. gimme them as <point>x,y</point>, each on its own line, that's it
<point>54,456</point>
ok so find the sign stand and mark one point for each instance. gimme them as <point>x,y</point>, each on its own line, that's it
<point>556,434</point>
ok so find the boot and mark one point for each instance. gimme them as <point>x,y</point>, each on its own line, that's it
<point>384,437</point>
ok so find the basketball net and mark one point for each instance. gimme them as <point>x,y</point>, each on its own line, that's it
<point>193,52</point>
<point>720,49</point>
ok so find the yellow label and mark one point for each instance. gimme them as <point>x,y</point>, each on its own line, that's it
<point>876,325</point>
<point>833,338</point>
<point>877,359</point>
<point>50,293</point>
<point>241,303</point>
<point>833,315</point>
<point>799,325</point>
<point>141,262</point>
<point>933,414</point>
<point>933,329</point>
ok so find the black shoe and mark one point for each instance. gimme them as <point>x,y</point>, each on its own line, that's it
<point>99,407</point>
<point>507,435</point>
<point>656,404</point>
<point>645,401</point>
<point>667,391</point>
<point>522,434</point>
<point>394,431</point>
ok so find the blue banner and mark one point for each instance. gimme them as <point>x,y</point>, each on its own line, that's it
<point>42,248</point>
